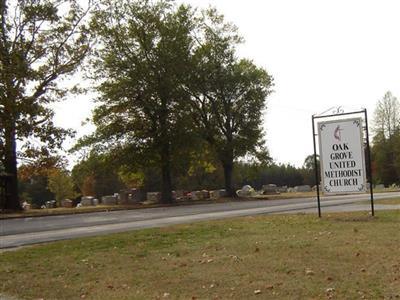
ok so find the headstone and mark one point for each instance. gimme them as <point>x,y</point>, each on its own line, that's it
<point>314,188</point>
<point>131,196</point>
<point>178,195</point>
<point>136,196</point>
<point>66,203</point>
<point>270,189</point>
<point>51,204</point>
<point>223,193</point>
<point>283,189</point>
<point>109,200</point>
<point>153,197</point>
<point>26,206</point>
<point>197,195</point>
<point>245,191</point>
<point>206,194</point>
<point>247,188</point>
<point>123,197</point>
<point>187,195</point>
<point>379,186</point>
<point>216,194</point>
<point>87,201</point>
<point>302,188</point>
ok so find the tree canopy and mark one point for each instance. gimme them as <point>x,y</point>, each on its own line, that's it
<point>41,41</point>
<point>139,63</point>
<point>386,140</point>
<point>228,95</point>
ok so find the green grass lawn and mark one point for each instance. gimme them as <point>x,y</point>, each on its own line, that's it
<point>341,256</point>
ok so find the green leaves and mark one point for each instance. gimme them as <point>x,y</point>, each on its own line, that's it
<point>139,65</point>
<point>168,75</point>
<point>40,41</point>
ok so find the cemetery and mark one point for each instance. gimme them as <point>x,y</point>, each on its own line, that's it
<point>137,197</point>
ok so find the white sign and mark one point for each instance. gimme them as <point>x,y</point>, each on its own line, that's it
<point>342,156</point>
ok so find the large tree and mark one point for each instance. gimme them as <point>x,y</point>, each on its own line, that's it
<point>40,41</point>
<point>386,141</point>
<point>138,67</point>
<point>228,95</point>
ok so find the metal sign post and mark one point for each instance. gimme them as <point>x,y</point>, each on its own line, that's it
<point>316,169</point>
<point>342,155</point>
<point>369,165</point>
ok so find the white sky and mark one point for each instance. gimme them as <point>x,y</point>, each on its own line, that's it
<point>321,54</point>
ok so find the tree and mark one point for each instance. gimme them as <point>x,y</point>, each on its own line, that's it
<point>33,177</point>
<point>139,65</point>
<point>387,116</point>
<point>386,140</point>
<point>96,175</point>
<point>308,170</point>
<point>40,42</point>
<point>228,95</point>
<point>61,185</point>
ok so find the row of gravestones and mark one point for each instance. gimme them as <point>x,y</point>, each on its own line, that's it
<point>134,196</point>
<point>274,189</point>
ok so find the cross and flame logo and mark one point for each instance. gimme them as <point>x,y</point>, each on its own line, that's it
<point>337,133</point>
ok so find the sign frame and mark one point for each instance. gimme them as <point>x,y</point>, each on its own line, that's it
<point>338,114</point>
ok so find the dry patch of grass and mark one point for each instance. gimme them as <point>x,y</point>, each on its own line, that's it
<point>388,201</point>
<point>392,201</point>
<point>342,256</point>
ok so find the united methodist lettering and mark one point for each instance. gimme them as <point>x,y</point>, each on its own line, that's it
<point>342,156</point>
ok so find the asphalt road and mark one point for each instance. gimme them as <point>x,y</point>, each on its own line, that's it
<point>34,230</point>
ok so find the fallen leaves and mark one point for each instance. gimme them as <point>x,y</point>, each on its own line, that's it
<point>309,272</point>
<point>235,258</point>
<point>330,292</point>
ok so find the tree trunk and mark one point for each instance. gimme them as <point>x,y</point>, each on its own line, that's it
<point>10,165</point>
<point>166,188</point>
<point>228,171</point>
<point>165,155</point>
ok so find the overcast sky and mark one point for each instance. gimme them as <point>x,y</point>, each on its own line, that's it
<point>321,54</point>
